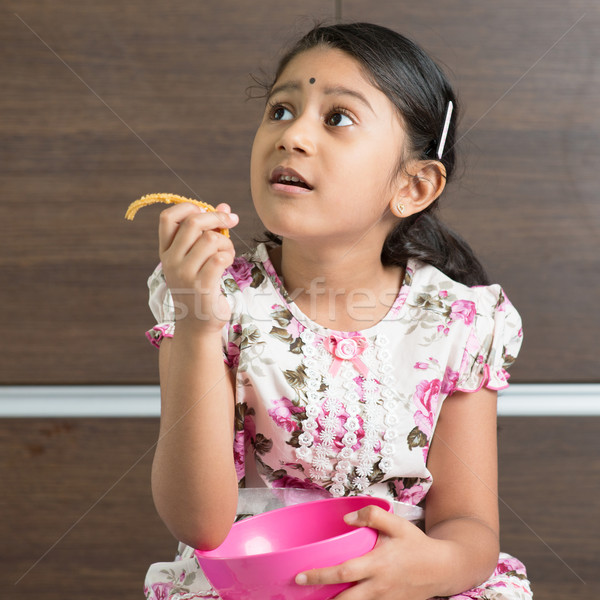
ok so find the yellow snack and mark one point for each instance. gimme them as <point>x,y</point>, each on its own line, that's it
<point>167,199</point>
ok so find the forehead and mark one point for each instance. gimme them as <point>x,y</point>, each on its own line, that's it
<point>327,66</point>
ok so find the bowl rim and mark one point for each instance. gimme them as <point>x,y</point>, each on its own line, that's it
<point>205,554</point>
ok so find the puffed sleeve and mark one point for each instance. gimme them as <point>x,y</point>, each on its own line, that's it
<point>493,343</point>
<point>162,307</point>
<point>165,313</point>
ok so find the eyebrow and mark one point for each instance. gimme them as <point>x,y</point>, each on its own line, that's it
<point>284,87</point>
<point>336,90</point>
<point>340,90</point>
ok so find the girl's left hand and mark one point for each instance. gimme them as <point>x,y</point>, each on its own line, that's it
<point>398,568</point>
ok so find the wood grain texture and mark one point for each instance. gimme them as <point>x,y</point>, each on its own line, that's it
<point>550,501</point>
<point>104,101</point>
<point>78,519</point>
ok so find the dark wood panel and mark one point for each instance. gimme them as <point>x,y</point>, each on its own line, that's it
<point>549,501</point>
<point>101,103</point>
<point>78,520</point>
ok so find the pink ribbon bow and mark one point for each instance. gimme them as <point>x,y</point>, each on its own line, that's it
<point>347,348</point>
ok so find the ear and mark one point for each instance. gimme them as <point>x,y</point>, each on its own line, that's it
<point>422,182</point>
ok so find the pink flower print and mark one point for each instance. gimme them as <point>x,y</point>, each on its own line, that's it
<point>287,481</point>
<point>463,309</point>
<point>474,594</point>
<point>471,349</point>
<point>240,440</point>
<point>283,412</point>
<point>443,294</point>
<point>426,398</point>
<point>412,495</point>
<point>233,355</point>
<point>237,328</point>
<point>238,454</point>
<point>241,271</point>
<point>294,328</point>
<point>443,329</point>
<point>450,381</point>
<point>249,428</point>
<point>473,344</point>
<point>161,590</point>
<point>509,563</point>
<point>421,365</point>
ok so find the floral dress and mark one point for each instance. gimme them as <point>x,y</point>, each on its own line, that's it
<point>347,413</point>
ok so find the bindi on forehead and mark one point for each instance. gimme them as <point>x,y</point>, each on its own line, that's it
<point>311,80</point>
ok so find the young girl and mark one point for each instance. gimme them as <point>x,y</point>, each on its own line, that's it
<point>358,352</point>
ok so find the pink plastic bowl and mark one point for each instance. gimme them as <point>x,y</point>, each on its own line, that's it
<point>261,556</point>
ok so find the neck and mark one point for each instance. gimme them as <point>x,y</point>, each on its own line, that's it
<point>341,288</point>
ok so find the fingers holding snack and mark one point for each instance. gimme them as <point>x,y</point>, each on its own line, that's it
<point>195,249</point>
<point>194,261</point>
<point>223,207</point>
<point>182,225</point>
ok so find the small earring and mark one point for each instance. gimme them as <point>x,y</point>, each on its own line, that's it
<point>400,208</point>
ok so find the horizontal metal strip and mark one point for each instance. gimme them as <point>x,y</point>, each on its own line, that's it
<point>144,401</point>
<point>80,401</point>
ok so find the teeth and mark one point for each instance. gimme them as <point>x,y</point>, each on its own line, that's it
<point>289,178</point>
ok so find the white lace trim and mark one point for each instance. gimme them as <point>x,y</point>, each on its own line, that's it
<point>343,460</point>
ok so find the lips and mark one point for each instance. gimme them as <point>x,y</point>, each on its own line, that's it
<point>284,176</point>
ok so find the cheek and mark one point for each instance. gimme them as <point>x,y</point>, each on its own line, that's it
<point>369,185</point>
<point>370,172</point>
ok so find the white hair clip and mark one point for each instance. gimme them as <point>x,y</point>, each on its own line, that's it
<point>440,150</point>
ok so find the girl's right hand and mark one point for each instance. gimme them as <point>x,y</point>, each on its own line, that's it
<point>194,257</point>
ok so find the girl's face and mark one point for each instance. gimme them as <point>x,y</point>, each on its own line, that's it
<point>325,154</point>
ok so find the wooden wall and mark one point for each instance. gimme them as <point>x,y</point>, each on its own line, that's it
<point>79,521</point>
<point>102,102</point>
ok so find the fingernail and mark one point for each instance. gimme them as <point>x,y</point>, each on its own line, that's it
<point>301,579</point>
<point>351,517</point>
<point>233,218</point>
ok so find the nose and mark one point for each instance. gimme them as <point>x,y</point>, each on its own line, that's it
<point>299,136</point>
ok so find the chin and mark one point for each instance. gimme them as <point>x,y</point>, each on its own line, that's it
<point>282,225</point>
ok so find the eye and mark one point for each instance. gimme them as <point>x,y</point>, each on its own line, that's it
<point>338,118</point>
<point>280,113</point>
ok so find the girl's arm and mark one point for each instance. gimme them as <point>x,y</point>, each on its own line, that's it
<point>194,482</point>
<point>462,504</point>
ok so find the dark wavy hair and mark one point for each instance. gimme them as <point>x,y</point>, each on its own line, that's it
<point>420,91</point>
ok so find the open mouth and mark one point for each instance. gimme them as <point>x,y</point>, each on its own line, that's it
<point>289,180</point>
<point>289,177</point>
